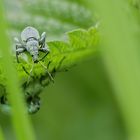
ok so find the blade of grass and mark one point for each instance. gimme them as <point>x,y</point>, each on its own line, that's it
<point>1,134</point>
<point>23,128</point>
<point>121,58</point>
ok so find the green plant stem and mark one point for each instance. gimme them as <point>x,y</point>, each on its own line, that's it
<point>121,58</point>
<point>23,128</point>
<point>1,134</point>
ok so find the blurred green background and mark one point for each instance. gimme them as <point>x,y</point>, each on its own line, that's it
<point>81,104</point>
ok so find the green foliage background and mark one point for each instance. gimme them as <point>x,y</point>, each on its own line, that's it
<point>81,104</point>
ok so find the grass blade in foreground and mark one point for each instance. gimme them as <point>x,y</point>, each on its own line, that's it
<point>121,58</point>
<point>20,119</point>
<point>1,135</point>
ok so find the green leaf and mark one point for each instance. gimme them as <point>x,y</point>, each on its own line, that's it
<point>54,17</point>
<point>80,45</point>
<point>65,11</point>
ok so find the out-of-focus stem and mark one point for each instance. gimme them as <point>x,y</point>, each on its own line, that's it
<point>120,54</point>
<point>23,128</point>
